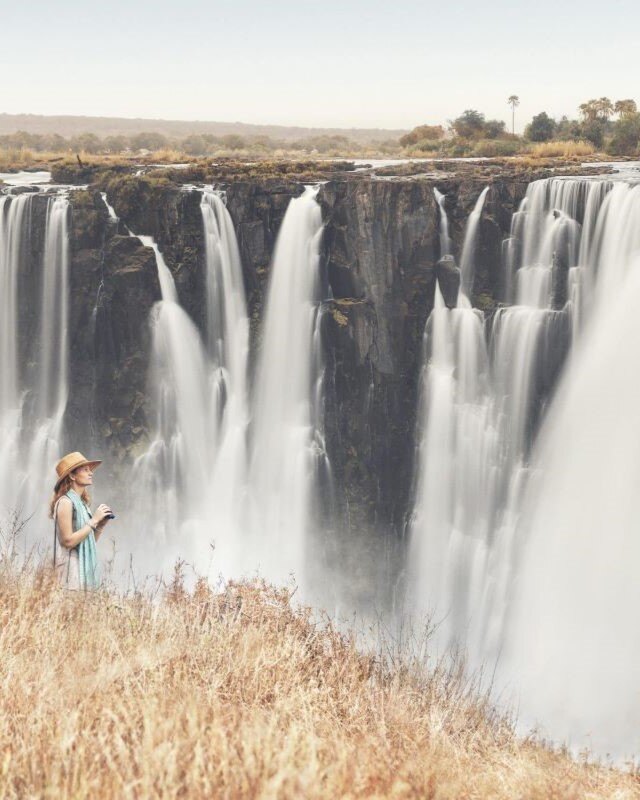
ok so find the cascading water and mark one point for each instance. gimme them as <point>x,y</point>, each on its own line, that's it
<point>52,386</point>
<point>467,256</point>
<point>537,582</point>
<point>228,347</point>
<point>14,213</point>
<point>573,643</point>
<point>204,482</point>
<point>33,402</point>
<point>170,473</point>
<point>451,523</point>
<point>445,239</point>
<point>285,443</point>
<point>193,476</point>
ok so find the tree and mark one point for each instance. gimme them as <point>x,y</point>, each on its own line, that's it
<point>567,129</point>
<point>148,140</point>
<point>233,141</point>
<point>601,108</point>
<point>605,108</point>
<point>422,132</point>
<point>625,108</point>
<point>593,130</point>
<point>115,144</point>
<point>494,128</point>
<point>194,145</point>
<point>541,128</point>
<point>626,136</point>
<point>86,143</point>
<point>469,125</point>
<point>514,102</point>
<point>589,110</point>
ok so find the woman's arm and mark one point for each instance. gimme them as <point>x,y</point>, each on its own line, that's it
<point>100,517</point>
<point>66,535</point>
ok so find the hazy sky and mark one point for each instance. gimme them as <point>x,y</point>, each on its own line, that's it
<point>322,63</point>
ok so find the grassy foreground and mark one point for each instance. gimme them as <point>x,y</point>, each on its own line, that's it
<point>235,695</point>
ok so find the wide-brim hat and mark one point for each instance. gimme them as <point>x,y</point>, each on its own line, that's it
<point>72,461</point>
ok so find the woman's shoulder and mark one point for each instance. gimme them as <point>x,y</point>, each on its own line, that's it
<point>64,501</point>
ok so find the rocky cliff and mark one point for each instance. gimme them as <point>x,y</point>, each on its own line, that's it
<point>380,249</point>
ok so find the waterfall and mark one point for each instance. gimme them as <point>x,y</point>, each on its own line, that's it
<point>469,245</point>
<point>573,642</point>
<point>524,543</point>
<point>227,483</point>
<point>286,446</point>
<point>193,475</point>
<point>228,346</point>
<point>445,239</point>
<point>453,514</point>
<point>52,389</point>
<point>171,474</point>
<point>13,211</point>
<point>32,400</point>
<point>14,216</point>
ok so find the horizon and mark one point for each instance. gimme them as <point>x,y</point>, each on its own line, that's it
<point>202,121</point>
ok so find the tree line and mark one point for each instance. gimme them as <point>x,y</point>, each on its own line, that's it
<point>605,125</point>
<point>193,145</point>
<point>612,126</point>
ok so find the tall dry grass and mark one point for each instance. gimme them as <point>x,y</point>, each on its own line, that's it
<point>569,149</point>
<point>238,695</point>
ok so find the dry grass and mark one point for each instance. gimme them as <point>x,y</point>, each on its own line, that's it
<point>570,149</point>
<point>238,695</point>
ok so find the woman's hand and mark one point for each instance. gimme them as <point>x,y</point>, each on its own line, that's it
<point>101,516</point>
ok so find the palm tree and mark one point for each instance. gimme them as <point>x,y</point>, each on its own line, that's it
<point>625,108</point>
<point>513,101</point>
<point>605,108</point>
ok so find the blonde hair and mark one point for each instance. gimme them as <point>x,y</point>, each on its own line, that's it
<point>63,488</point>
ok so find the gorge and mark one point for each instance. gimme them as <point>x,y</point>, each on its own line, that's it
<point>287,340</point>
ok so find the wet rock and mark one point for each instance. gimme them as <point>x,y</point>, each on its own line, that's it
<point>559,279</point>
<point>448,275</point>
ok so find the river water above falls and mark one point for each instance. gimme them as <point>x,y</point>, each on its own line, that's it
<point>522,537</point>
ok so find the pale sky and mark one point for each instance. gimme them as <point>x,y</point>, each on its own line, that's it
<point>324,63</point>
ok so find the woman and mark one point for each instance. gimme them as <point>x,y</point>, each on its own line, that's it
<point>76,530</point>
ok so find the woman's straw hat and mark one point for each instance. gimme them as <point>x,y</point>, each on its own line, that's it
<point>72,461</point>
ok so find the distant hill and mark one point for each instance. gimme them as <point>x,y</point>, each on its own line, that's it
<point>114,126</point>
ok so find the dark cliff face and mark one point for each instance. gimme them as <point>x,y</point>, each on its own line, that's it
<point>380,248</point>
<point>113,286</point>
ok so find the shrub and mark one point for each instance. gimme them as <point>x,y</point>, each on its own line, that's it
<point>422,133</point>
<point>493,148</point>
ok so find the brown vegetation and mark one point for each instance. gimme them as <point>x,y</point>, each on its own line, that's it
<point>568,150</point>
<point>239,695</point>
